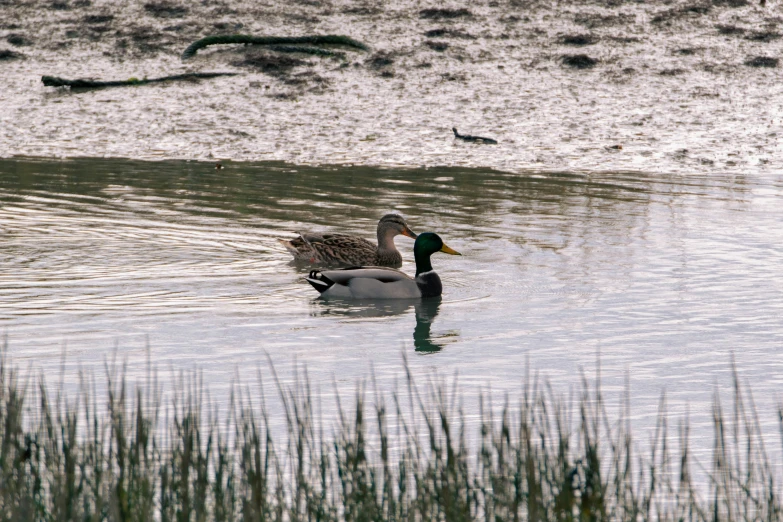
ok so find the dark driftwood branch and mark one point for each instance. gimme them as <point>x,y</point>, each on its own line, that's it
<point>53,81</point>
<point>316,51</point>
<point>325,39</point>
<point>473,139</point>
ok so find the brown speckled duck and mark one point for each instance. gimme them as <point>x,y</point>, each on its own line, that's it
<point>345,250</point>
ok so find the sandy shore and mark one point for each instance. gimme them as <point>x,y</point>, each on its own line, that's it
<point>672,87</point>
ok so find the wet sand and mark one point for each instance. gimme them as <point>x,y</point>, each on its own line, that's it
<point>578,86</point>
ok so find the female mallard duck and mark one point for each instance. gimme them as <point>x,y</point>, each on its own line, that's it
<point>386,283</point>
<point>342,249</point>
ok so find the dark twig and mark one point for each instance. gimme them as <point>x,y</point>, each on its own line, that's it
<point>53,81</point>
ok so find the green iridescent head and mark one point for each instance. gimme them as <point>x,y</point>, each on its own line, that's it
<point>427,244</point>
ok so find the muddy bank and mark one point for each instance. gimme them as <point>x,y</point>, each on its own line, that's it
<point>602,85</point>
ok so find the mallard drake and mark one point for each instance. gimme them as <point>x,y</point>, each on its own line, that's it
<point>345,250</point>
<point>375,282</point>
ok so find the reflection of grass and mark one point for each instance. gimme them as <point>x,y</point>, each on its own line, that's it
<point>540,460</point>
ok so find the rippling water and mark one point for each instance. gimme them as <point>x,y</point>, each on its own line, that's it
<point>666,277</point>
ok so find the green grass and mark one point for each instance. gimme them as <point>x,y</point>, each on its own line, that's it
<point>407,455</point>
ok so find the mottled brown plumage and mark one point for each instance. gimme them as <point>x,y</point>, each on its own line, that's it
<point>346,250</point>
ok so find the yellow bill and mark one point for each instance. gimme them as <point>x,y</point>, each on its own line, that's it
<point>448,250</point>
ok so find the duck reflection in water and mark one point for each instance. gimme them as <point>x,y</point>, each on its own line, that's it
<point>425,311</point>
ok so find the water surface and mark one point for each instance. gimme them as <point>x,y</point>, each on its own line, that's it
<point>666,277</point>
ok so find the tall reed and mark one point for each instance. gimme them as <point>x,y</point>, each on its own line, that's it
<point>409,456</point>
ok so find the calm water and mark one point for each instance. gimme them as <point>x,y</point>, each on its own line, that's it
<point>665,276</point>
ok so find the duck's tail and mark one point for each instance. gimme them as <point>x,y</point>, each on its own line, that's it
<point>295,249</point>
<point>319,281</point>
<point>301,248</point>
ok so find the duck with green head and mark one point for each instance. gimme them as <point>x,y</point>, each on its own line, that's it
<point>375,282</point>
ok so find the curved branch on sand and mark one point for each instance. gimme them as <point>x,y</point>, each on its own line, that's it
<point>315,51</point>
<point>326,39</point>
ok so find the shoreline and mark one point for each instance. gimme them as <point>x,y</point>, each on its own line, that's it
<point>670,91</point>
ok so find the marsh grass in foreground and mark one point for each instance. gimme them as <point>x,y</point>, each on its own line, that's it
<point>409,456</point>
